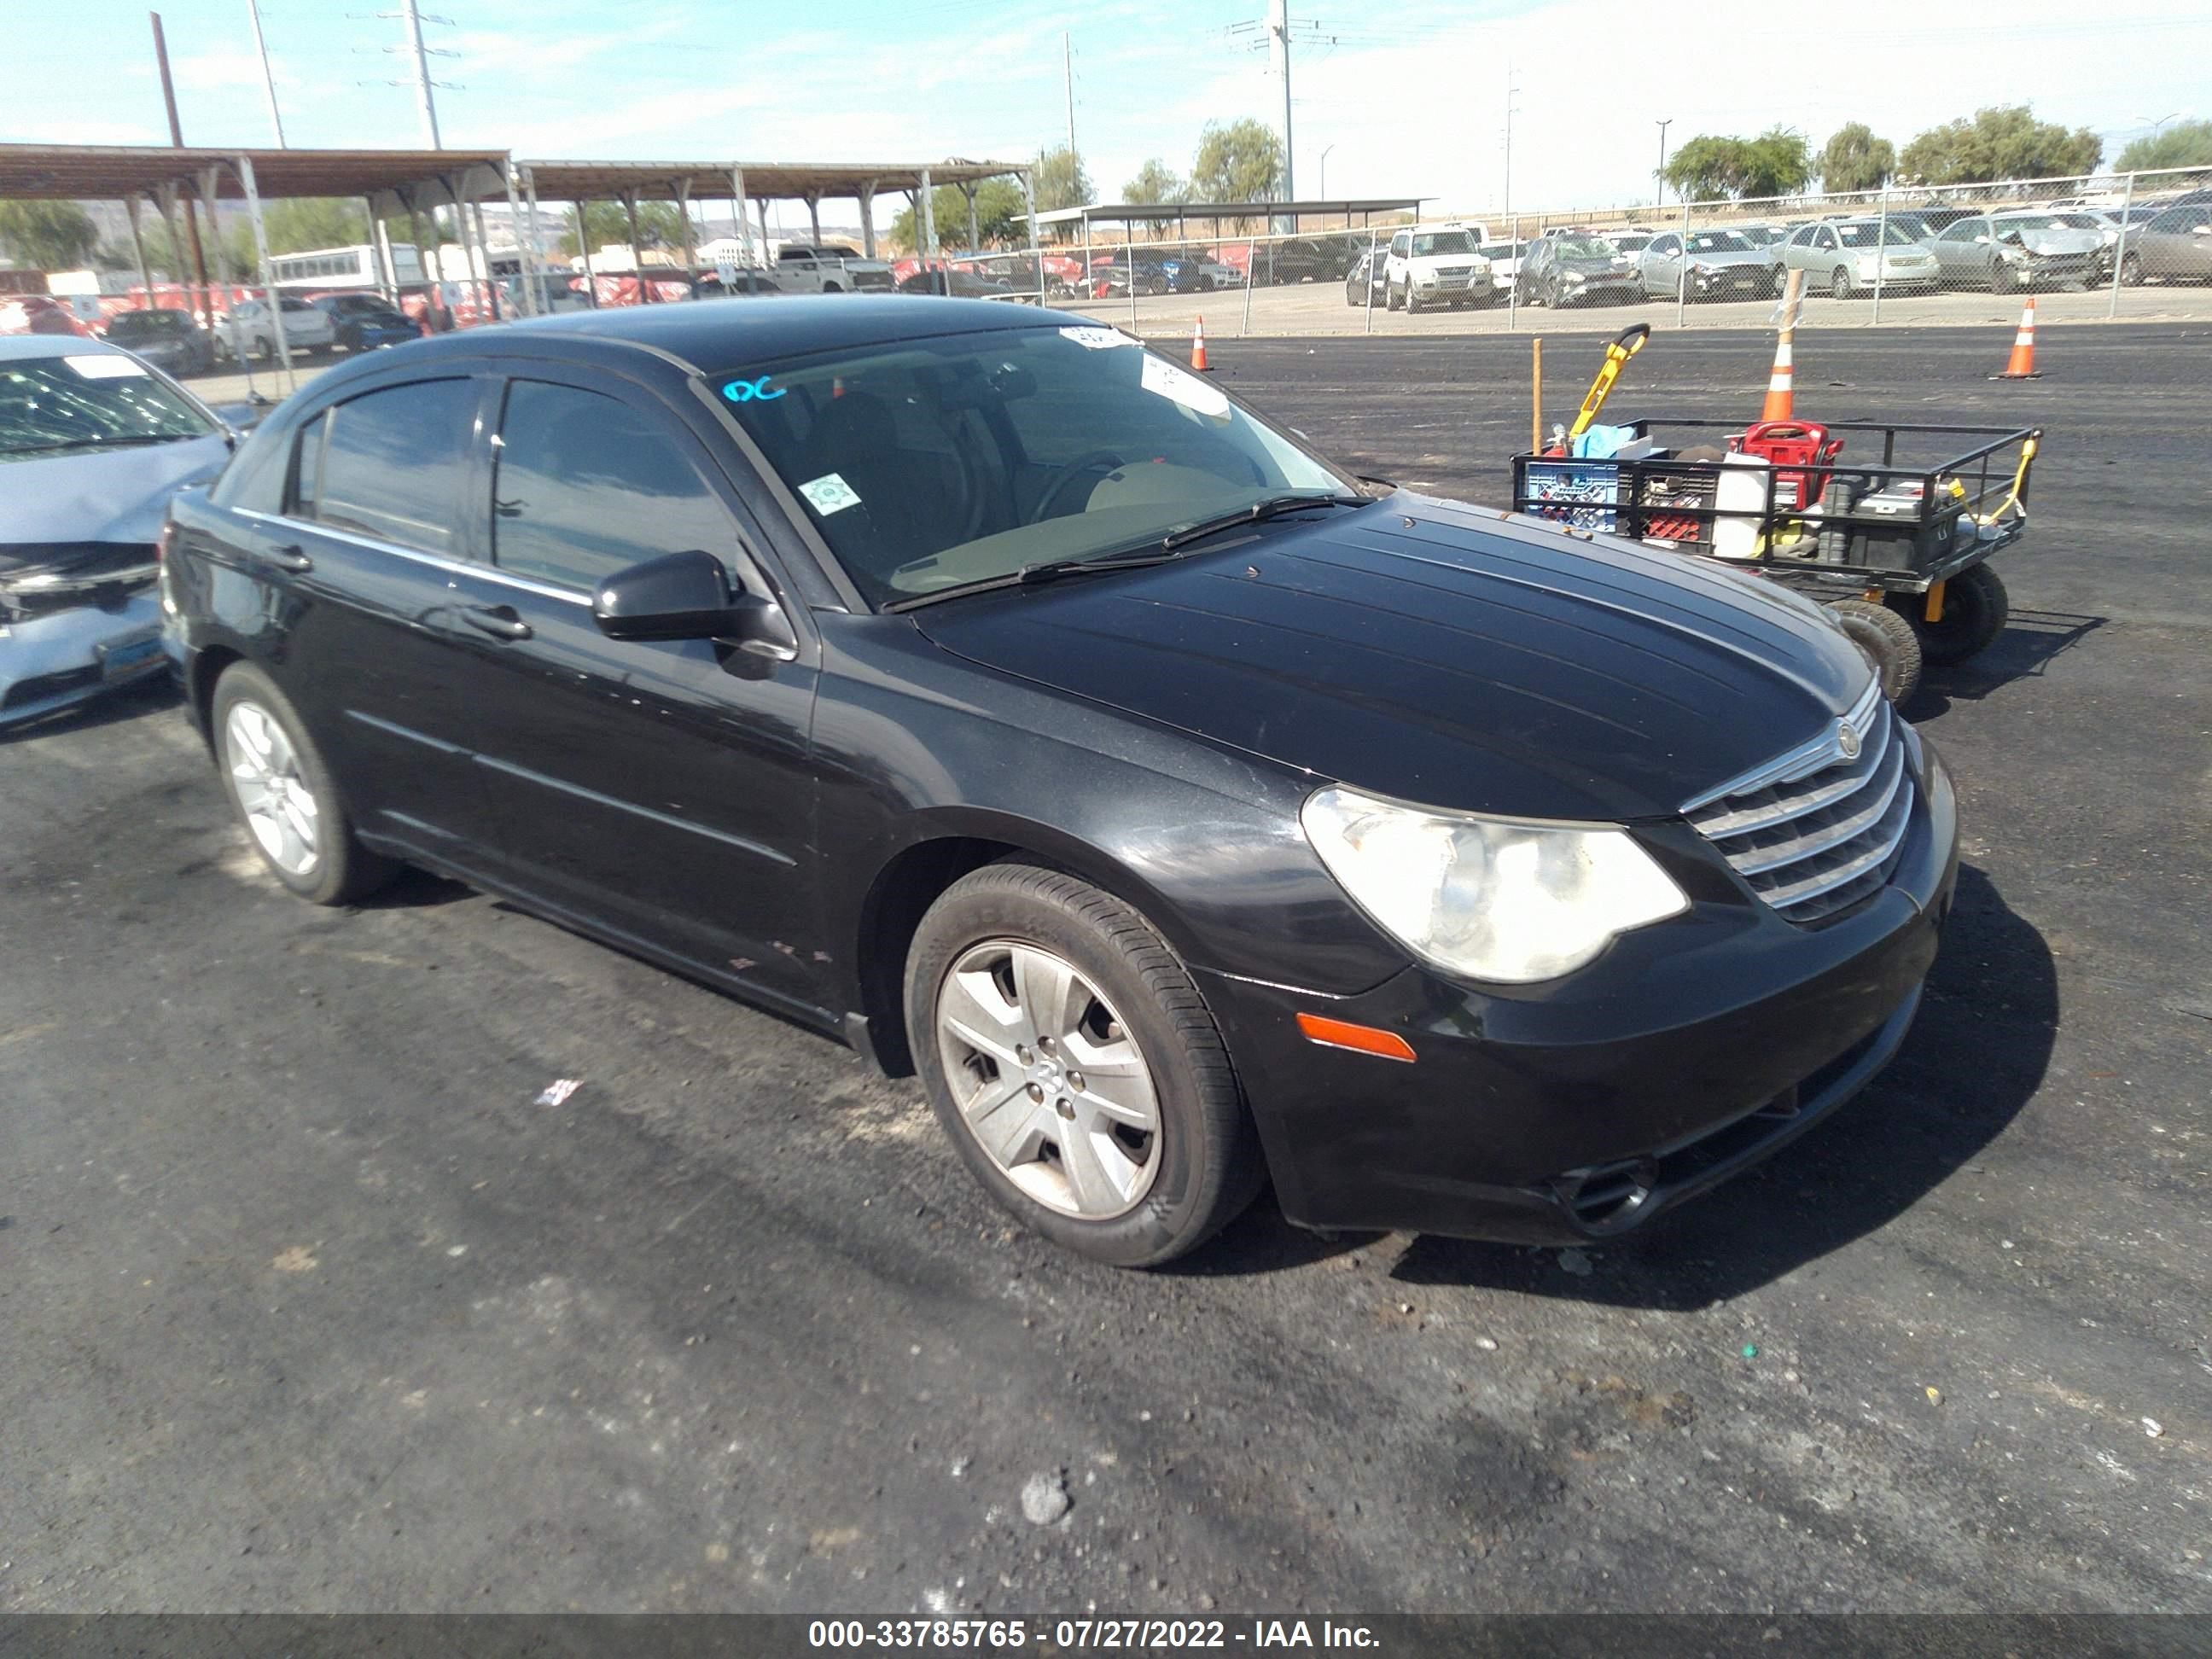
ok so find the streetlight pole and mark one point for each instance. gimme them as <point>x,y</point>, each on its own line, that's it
<point>1324,170</point>
<point>1661,174</point>
<point>2156,125</point>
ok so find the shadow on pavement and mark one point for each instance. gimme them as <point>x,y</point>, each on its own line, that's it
<point>155,693</point>
<point>2031,641</point>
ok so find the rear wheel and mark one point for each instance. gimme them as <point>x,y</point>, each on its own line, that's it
<point>1070,1057</point>
<point>284,795</point>
<point>1888,642</point>
<point>1975,609</point>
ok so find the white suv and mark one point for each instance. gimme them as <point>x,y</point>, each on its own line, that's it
<point>1438,265</point>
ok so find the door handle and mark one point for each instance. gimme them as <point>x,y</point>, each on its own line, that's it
<point>293,560</point>
<point>499,621</point>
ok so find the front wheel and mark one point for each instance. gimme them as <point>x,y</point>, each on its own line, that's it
<point>1413,301</point>
<point>1839,283</point>
<point>2132,271</point>
<point>1887,641</point>
<point>283,793</point>
<point>1069,1055</point>
<point>1975,609</point>
<point>2004,279</point>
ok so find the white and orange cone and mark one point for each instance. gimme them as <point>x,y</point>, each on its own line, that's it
<point>1780,400</point>
<point>1198,348</point>
<point>2020,365</point>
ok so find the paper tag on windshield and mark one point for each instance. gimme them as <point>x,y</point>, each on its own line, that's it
<point>829,494</point>
<point>104,367</point>
<point>1098,339</point>
<point>1179,386</point>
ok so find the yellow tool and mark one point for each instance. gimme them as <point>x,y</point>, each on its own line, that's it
<point>1617,355</point>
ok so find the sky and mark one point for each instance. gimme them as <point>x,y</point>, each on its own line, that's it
<point>1406,100</point>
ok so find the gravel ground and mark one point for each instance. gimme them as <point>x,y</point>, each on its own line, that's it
<point>309,1306</point>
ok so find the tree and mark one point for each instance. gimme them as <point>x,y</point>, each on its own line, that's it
<point>1854,159</point>
<point>48,235</point>
<point>2188,145</point>
<point>1001,219</point>
<point>1060,180</point>
<point>1776,163</point>
<point>2004,142</point>
<point>300,223</point>
<point>660,225</point>
<point>1242,161</point>
<point>1154,183</point>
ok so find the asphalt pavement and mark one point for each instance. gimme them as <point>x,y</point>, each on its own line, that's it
<point>308,1304</point>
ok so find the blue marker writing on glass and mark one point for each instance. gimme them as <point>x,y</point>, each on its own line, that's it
<point>747,392</point>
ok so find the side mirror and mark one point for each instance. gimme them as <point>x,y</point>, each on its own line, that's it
<point>686,596</point>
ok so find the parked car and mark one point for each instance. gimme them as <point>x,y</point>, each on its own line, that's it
<point>2007,250</point>
<point>1564,271</point>
<point>1026,711</point>
<point>2174,247</point>
<point>1367,285</point>
<point>1307,259</point>
<point>961,284</point>
<point>1705,265</point>
<point>1627,244</point>
<point>362,322</point>
<point>249,330</point>
<point>1761,235</point>
<point>1110,277</point>
<point>39,313</point>
<point>1504,260</point>
<point>1838,258</point>
<point>1218,273</point>
<point>829,267</point>
<point>93,442</point>
<point>1185,274</point>
<point>1437,266</point>
<point>170,340</point>
<point>744,283</point>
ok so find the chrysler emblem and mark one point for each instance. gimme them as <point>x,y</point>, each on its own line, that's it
<point>1847,740</point>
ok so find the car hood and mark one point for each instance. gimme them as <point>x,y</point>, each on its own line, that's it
<point>1731,256</point>
<point>2055,241</point>
<point>106,495</point>
<point>1606,265</point>
<point>1442,653</point>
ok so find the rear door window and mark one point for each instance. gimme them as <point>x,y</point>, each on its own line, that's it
<point>393,463</point>
<point>586,485</point>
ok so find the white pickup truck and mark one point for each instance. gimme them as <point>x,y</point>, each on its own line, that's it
<point>828,268</point>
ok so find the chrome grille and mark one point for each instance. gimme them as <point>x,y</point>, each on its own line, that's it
<point>1812,832</point>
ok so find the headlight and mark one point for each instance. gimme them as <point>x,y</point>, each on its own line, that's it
<point>1488,898</point>
<point>1574,277</point>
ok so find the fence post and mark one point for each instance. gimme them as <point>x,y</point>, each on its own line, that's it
<point>1880,252</point>
<point>2120,249</point>
<point>1370,329</point>
<point>1129,267</point>
<point>1513,289</point>
<point>1682,285</point>
<point>1251,275</point>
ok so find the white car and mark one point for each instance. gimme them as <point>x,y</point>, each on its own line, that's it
<point>1504,260</point>
<point>1221,275</point>
<point>249,330</point>
<point>1438,265</point>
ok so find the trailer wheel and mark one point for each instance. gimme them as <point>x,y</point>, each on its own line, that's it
<point>1888,641</point>
<point>1975,609</point>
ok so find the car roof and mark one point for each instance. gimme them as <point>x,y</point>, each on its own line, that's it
<point>708,335</point>
<point>19,347</point>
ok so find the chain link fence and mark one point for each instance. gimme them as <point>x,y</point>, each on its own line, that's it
<point>2099,247</point>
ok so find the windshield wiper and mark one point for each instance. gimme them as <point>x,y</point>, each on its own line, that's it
<point>1257,513</point>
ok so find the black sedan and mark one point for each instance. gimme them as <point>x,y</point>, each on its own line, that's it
<point>363,322</point>
<point>1019,707</point>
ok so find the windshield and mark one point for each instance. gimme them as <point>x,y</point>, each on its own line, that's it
<point>934,462</point>
<point>1503,250</point>
<point>2046,221</point>
<point>1442,241</point>
<point>1862,233</point>
<point>50,405</point>
<point>1719,241</point>
<point>1631,242</point>
<point>1582,247</point>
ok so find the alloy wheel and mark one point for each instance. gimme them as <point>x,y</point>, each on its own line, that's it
<point>1049,1079</point>
<point>275,799</point>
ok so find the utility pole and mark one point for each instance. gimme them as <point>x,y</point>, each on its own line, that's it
<point>268,80</point>
<point>176,138</point>
<point>1661,174</point>
<point>1068,72</point>
<point>413,14</point>
<point>1512,91</point>
<point>1321,188</point>
<point>1279,41</point>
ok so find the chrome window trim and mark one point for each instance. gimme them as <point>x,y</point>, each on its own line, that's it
<point>435,561</point>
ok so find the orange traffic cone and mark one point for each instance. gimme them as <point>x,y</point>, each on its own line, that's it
<point>1198,348</point>
<point>1779,400</point>
<point>2021,364</point>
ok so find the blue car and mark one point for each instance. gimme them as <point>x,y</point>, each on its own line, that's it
<point>93,442</point>
<point>362,322</point>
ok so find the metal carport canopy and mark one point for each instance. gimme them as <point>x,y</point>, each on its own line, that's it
<point>1140,213</point>
<point>605,181</point>
<point>434,177</point>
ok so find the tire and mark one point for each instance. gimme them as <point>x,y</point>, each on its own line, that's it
<point>2004,279</point>
<point>342,869</point>
<point>1839,283</point>
<point>1389,298</point>
<point>1199,1165</point>
<point>1413,303</point>
<point>1888,642</point>
<point>265,348</point>
<point>1975,609</point>
<point>2132,271</point>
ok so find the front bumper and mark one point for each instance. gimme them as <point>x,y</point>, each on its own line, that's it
<point>1743,281</point>
<point>1581,1109</point>
<point>57,659</point>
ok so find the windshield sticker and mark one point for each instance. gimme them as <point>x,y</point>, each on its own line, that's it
<point>1165,379</point>
<point>1098,339</point>
<point>751,391</point>
<point>106,368</point>
<point>829,494</point>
